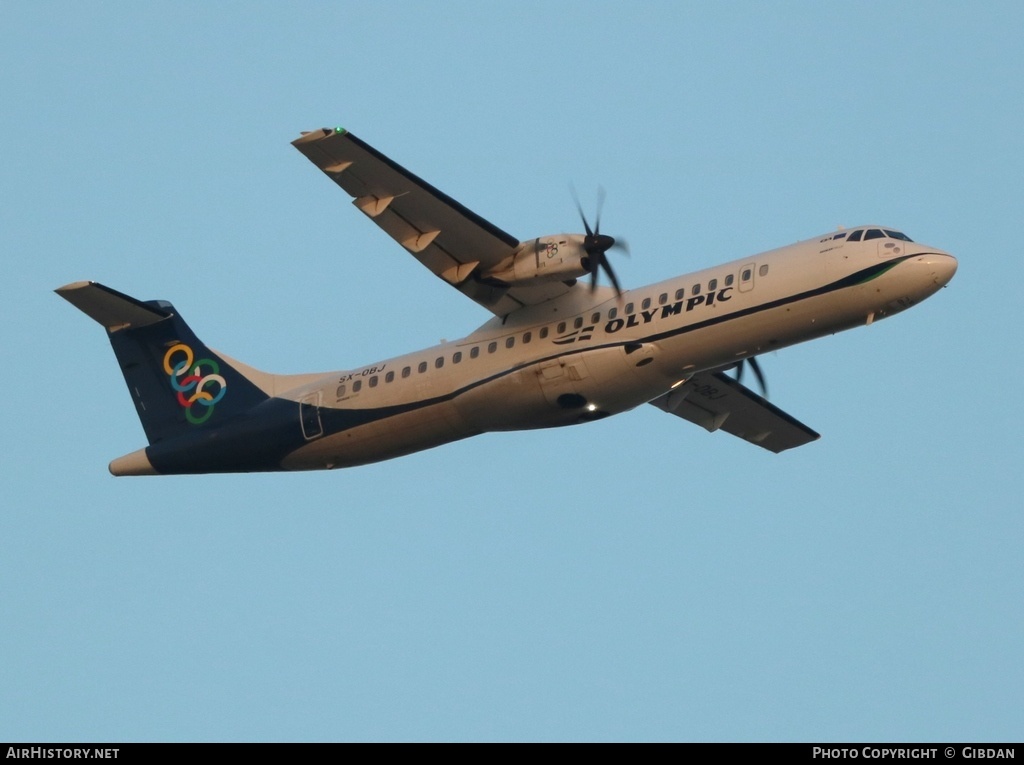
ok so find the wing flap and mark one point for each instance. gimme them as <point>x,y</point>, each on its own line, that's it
<point>715,401</point>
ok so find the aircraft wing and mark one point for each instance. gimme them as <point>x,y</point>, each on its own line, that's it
<point>715,401</point>
<point>452,241</point>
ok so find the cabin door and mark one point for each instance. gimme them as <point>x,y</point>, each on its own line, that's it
<point>309,416</point>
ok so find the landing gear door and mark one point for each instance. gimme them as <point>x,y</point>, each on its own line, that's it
<point>309,416</point>
<point>561,377</point>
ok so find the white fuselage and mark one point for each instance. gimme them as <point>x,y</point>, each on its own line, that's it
<point>592,353</point>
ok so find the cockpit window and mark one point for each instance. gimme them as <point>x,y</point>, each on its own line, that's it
<point>874,233</point>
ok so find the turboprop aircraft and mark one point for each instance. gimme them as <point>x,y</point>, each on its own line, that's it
<point>557,351</point>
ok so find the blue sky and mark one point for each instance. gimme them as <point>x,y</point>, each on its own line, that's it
<point>632,579</point>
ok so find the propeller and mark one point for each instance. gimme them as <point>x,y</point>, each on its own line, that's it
<point>756,368</point>
<point>597,244</point>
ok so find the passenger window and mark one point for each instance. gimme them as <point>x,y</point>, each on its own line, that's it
<point>492,347</point>
<point>527,337</point>
<point>341,390</point>
<point>456,357</point>
<point>663,298</point>
<point>356,386</point>
<point>746,275</point>
<point>680,293</point>
<point>612,313</point>
<point>389,377</point>
<point>422,367</point>
<point>406,371</point>
<point>509,342</point>
<point>729,279</point>
<point>629,309</point>
<point>474,351</point>
<point>543,332</point>
<point>763,270</point>
<point>578,322</point>
<point>873,233</point>
<point>646,304</point>
<point>712,285</point>
<point>855,236</point>
<point>561,327</point>
<point>373,381</point>
<point>595,319</point>
<point>439,362</point>
<point>695,290</point>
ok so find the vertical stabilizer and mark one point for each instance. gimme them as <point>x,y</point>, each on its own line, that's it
<point>177,383</point>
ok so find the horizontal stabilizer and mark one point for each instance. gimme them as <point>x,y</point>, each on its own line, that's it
<point>113,309</point>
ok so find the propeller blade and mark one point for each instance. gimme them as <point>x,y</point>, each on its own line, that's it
<point>579,208</point>
<point>611,276</point>
<point>759,375</point>
<point>597,244</point>
<point>756,367</point>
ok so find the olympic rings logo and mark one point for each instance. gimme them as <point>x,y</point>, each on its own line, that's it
<point>197,392</point>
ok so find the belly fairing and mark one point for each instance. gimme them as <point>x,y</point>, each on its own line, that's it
<point>565,389</point>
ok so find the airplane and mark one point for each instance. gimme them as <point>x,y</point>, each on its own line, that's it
<point>557,351</point>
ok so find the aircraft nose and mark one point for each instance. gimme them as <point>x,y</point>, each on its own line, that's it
<point>941,266</point>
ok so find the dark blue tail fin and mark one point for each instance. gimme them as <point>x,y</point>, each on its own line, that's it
<point>177,383</point>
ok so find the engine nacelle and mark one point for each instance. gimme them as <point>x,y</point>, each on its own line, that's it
<point>557,258</point>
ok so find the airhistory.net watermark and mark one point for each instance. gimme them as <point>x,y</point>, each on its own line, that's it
<point>60,753</point>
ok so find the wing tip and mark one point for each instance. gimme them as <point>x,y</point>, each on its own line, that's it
<point>306,136</point>
<point>68,288</point>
